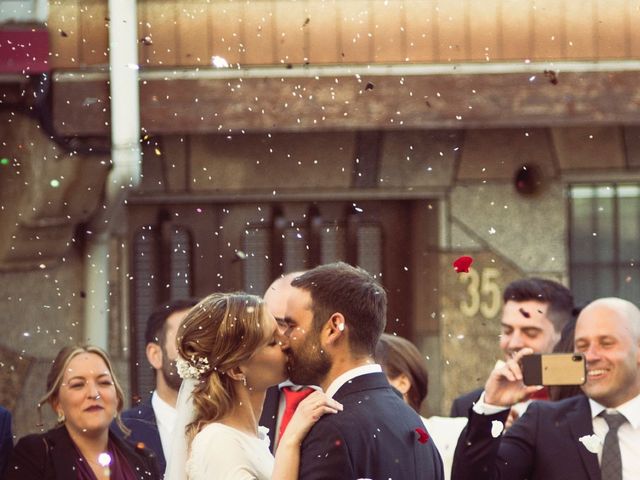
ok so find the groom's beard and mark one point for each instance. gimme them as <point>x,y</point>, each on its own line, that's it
<point>308,364</point>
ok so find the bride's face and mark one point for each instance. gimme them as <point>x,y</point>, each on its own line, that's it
<point>267,366</point>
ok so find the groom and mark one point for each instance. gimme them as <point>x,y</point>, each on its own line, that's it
<point>335,315</point>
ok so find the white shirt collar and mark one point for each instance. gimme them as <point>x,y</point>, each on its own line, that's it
<point>350,375</point>
<point>630,410</point>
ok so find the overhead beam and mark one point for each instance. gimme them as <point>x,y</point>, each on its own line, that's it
<point>193,101</point>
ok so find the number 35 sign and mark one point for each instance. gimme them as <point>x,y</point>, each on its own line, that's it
<point>483,292</point>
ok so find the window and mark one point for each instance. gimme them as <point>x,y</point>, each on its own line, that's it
<point>604,247</point>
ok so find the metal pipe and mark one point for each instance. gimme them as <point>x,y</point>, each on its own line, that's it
<point>125,163</point>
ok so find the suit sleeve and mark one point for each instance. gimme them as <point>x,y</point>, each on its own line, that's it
<point>28,459</point>
<point>456,409</point>
<point>324,454</point>
<point>6,440</point>
<point>479,455</point>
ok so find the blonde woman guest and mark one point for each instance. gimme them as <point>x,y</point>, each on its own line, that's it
<point>406,370</point>
<point>85,395</point>
<point>231,353</point>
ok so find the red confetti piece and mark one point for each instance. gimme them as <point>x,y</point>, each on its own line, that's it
<point>423,436</point>
<point>524,313</point>
<point>462,264</point>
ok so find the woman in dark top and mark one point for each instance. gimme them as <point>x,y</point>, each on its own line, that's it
<point>86,396</point>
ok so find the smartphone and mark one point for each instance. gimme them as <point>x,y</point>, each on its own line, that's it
<point>554,369</point>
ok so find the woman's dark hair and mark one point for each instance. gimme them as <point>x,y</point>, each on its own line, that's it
<point>399,356</point>
<point>565,345</point>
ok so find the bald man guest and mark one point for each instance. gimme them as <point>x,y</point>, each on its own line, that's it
<point>281,400</point>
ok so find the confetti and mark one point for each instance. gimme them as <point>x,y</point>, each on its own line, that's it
<point>462,264</point>
<point>591,443</point>
<point>551,75</point>
<point>4,161</point>
<point>423,436</point>
<point>55,183</point>
<point>306,22</point>
<point>219,62</point>
<point>146,40</point>
<point>496,428</point>
<point>524,313</point>
<point>369,86</point>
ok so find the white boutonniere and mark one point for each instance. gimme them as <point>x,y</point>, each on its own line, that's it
<point>496,428</point>
<point>593,443</point>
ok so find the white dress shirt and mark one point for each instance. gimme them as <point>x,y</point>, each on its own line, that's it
<point>628,434</point>
<point>165,418</point>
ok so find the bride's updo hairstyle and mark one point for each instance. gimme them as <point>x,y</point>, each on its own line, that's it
<point>218,334</point>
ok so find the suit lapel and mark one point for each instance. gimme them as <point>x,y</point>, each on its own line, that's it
<point>63,452</point>
<point>580,424</point>
<point>269,417</point>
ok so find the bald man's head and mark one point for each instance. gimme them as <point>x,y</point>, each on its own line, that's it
<point>277,295</point>
<point>608,334</point>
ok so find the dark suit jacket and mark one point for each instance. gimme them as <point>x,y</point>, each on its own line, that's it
<point>6,438</point>
<point>541,445</point>
<point>52,455</point>
<point>269,417</point>
<point>141,420</point>
<point>374,438</point>
<point>462,404</point>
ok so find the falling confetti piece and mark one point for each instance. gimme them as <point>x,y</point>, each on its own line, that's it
<point>219,62</point>
<point>462,264</point>
<point>55,183</point>
<point>104,459</point>
<point>146,40</point>
<point>423,436</point>
<point>369,86</point>
<point>551,75</point>
<point>157,151</point>
<point>591,443</point>
<point>524,313</point>
<point>199,210</point>
<point>306,22</point>
<point>4,161</point>
<point>64,34</point>
<point>496,428</point>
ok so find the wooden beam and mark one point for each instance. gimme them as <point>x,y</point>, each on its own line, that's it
<point>180,105</point>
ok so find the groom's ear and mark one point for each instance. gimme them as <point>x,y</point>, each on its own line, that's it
<point>335,328</point>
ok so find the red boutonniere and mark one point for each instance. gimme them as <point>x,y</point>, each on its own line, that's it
<point>423,436</point>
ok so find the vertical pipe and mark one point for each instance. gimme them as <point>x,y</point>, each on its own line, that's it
<point>125,163</point>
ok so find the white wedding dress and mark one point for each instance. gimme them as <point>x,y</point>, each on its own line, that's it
<point>220,452</point>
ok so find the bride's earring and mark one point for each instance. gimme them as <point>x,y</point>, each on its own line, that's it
<point>61,417</point>
<point>244,381</point>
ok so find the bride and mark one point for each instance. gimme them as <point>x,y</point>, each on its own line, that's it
<point>230,354</point>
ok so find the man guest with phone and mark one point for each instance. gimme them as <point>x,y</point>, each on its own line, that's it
<point>534,313</point>
<point>591,437</point>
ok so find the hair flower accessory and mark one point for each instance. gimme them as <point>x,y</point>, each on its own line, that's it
<point>192,368</point>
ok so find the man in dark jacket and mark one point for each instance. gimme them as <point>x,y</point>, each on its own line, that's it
<point>6,439</point>
<point>534,313</point>
<point>335,317</point>
<point>151,422</point>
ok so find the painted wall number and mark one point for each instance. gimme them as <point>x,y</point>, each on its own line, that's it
<point>483,292</point>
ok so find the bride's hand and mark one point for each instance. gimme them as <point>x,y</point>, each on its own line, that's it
<point>307,414</point>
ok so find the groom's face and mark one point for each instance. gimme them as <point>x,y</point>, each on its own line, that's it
<point>308,364</point>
